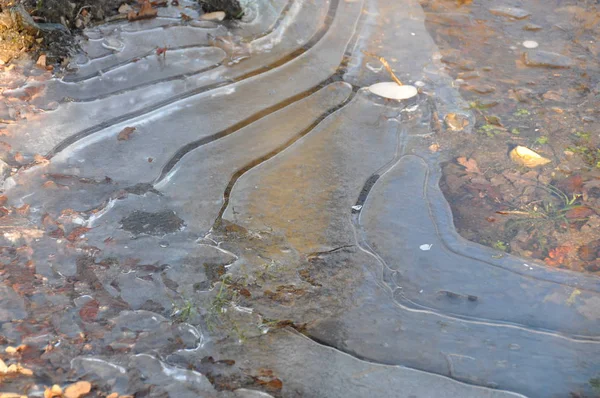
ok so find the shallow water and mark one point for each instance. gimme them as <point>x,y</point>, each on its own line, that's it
<point>241,217</point>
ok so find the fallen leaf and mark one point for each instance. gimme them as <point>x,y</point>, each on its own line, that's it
<point>579,213</point>
<point>185,17</point>
<point>50,185</point>
<point>214,16</point>
<point>23,210</point>
<point>77,233</point>
<point>113,395</point>
<point>161,51</point>
<point>573,296</point>
<point>493,120</point>
<point>524,156</point>
<point>3,367</point>
<point>78,389</point>
<point>54,391</point>
<point>24,371</point>
<point>125,134</point>
<point>456,121</point>
<point>557,256</point>
<point>40,159</point>
<point>11,395</point>
<point>146,12</point>
<point>434,147</point>
<point>470,165</point>
<point>571,184</point>
<point>89,311</point>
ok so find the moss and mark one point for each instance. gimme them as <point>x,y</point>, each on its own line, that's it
<point>16,37</point>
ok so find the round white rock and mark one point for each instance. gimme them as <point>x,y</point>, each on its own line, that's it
<point>393,90</point>
<point>530,44</point>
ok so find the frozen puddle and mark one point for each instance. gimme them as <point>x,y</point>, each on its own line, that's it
<point>242,217</point>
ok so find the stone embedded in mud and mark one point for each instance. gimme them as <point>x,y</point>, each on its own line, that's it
<point>125,8</point>
<point>392,90</point>
<point>103,373</point>
<point>111,43</point>
<point>12,306</point>
<point>481,89</point>
<point>245,393</point>
<point>546,59</point>
<point>532,27</point>
<point>214,16</point>
<point>511,12</point>
<point>590,251</point>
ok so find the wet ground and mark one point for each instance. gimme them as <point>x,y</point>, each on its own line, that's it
<point>204,208</point>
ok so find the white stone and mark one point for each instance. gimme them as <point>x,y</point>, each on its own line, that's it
<point>214,16</point>
<point>392,90</point>
<point>530,44</point>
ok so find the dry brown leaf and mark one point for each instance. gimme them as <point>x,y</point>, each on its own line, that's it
<point>434,147</point>
<point>40,159</point>
<point>470,165</point>
<point>11,395</point>
<point>456,122</point>
<point>78,389</point>
<point>146,12</point>
<point>113,395</point>
<point>125,134</point>
<point>54,391</point>
<point>23,210</point>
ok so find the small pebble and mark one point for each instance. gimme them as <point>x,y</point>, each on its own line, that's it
<point>530,44</point>
<point>214,16</point>
<point>391,90</point>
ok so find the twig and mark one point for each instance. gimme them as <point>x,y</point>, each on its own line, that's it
<point>386,66</point>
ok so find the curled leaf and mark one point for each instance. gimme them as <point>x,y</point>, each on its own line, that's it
<point>526,157</point>
<point>456,121</point>
<point>125,134</point>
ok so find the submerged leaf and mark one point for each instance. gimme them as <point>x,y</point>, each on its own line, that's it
<point>470,165</point>
<point>77,390</point>
<point>526,157</point>
<point>125,134</point>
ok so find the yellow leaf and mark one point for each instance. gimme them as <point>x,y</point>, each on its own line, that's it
<point>456,122</point>
<point>54,391</point>
<point>526,157</point>
<point>77,390</point>
<point>573,296</point>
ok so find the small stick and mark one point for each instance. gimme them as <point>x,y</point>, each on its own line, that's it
<point>386,66</point>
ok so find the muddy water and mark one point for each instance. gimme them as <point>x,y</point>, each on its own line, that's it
<point>239,216</point>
